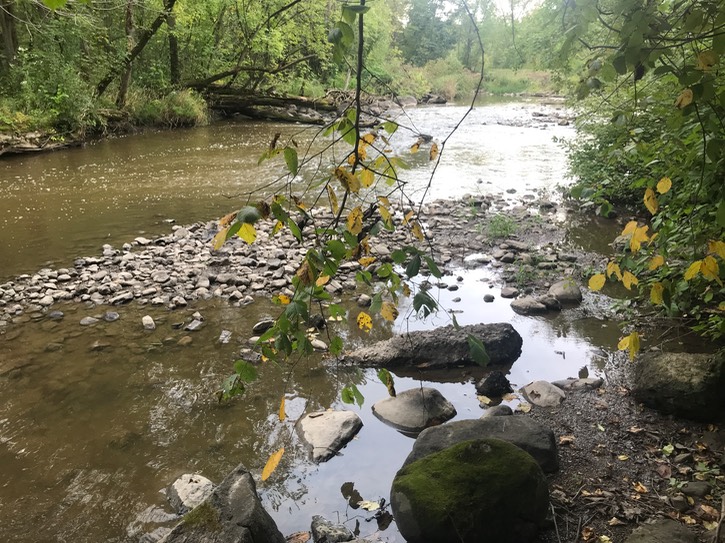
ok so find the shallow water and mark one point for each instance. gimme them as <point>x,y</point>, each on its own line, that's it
<point>95,421</point>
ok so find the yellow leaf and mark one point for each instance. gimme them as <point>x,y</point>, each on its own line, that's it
<point>655,294</point>
<point>638,236</point>
<point>640,488</point>
<point>630,228</point>
<point>406,291</point>
<point>710,269</point>
<point>219,239</point>
<point>721,307</point>
<point>277,227</point>
<point>364,322</point>
<point>409,215</point>
<point>366,177</point>
<point>622,457</point>
<point>716,247</point>
<point>433,151</point>
<point>707,60</point>
<point>322,280</point>
<point>247,233</point>
<point>228,219</point>
<point>388,311</point>
<point>656,262</point>
<point>272,464</point>
<point>605,539</point>
<point>354,221</point>
<point>369,138</point>
<point>366,261</point>
<point>693,270</point>
<point>414,148</point>
<point>628,280</point>
<point>417,230</point>
<point>630,343</point>
<point>282,414</point>
<point>664,185</point>
<point>385,214</point>
<point>613,268</point>
<point>650,201</point>
<point>384,200</point>
<point>684,99</point>
<point>282,299</point>
<point>596,282</point>
<point>334,206</point>
<point>347,179</point>
<point>305,273</point>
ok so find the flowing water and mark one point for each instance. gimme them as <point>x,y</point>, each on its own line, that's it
<point>96,421</point>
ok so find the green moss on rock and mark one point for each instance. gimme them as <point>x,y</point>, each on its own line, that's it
<point>204,516</point>
<point>480,490</point>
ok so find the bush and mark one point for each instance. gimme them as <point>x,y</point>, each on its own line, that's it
<point>179,108</point>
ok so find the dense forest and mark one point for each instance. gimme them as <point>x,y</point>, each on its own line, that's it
<point>647,76</point>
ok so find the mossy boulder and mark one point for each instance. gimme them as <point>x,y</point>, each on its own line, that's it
<point>483,490</point>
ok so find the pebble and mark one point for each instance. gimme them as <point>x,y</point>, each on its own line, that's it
<point>194,325</point>
<point>488,298</point>
<point>148,323</point>
<point>87,321</point>
<point>111,316</point>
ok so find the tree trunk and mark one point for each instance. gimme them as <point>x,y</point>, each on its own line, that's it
<point>138,48</point>
<point>9,33</point>
<point>174,67</point>
<point>126,75</point>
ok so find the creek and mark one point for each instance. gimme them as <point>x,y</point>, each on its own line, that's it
<point>96,421</point>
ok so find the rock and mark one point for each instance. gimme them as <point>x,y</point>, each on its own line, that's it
<point>566,291</point>
<point>160,277</point>
<point>319,345</point>
<point>477,488</point>
<point>662,531</point>
<point>328,431</point>
<point>232,512</point>
<point>188,491</point>
<point>441,348</point>
<point>498,411</point>
<point>524,432</point>
<point>414,410</point>
<point>262,326</point>
<point>494,385</point>
<point>317,321</point>
<point>45,301</point>
<point>56,315</point>
<point>543,394</point>
<point>111,316</point>
<point>87,321</point>
<point>699,489</point>
<point>551,303</point>
<point>528,305</point>
<point>324,531</point>
<point>509,292</point>
<point>148,323</point>
<point>488,298</point>
<point>225,336</point>
<point>185,340</point>
<point>194,325</point>
<point>122,298</point>
<point>588,383</point>
<point>683,384</point>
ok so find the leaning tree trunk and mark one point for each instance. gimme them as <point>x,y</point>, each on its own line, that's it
<point>126,75</point>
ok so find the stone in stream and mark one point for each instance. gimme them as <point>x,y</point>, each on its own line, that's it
<point>524,432</point>
<point>148,323</point>
<point>500,410</point>
<point>509,292</point>
<point>188,491</point>
<point>225,336</point>
<point>324,531</point>
<point>87,321</point>
<point>111,316</point>
<point>45,301</point>
<point>488,298</point>
<point>56,315</point>
<point>566,291</point>
<point>262,326</point>
<point>319,345</point>
<point>443,347</point>
<point>364,300</point>
<point>122,298</point>
<point>528,305</point>
<point>326,432</point>
<point>233,512</point>
<point>476,490</point>
<point>194,325</point>
<point>543,394</point>
<point>414,410</point>
<point>494,385</point>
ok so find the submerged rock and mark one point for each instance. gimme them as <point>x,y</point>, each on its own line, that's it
<point>483,488</point>
<point>324,531</point>
<point>188,491</point>
<point>232,512</point>
<point>328,431</point>
<point>414,410</point>
<point>494,385</point>
<point>148,323</point>
<point>441,348</point>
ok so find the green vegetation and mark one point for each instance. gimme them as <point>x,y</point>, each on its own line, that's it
<point>500,226</point>
<point>203,516</point>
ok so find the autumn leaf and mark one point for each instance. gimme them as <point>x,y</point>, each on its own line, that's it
<point>369,138</point>
<point>388,311</point>
<point>364,321</point>
<point>368,505</point>
<point>684,99</point>
<point>228,219</point>
<point>630,228</point>
<point>693,270</point>
<point>272,464</point>
<point>414,148</point>
<point>322,280</point>
<point>248,233</point>
<point>366,177</point>
<point>385,214</point>
<point>282,414</point>
<point>710,269</point>
<point>282,299</point>
<point>650,201</point>
<point>613,268</point>
<point>717,248</point>
<point>566,440</point>
<point>408,216</point>
<point>655,294</point>
<point>622,457</point>
<point>433,151</point>
<point>219,239</point>
<point>664,185</point>
<point>366,261</point>
<point>347,179</point>
<point>596,282</point>
<point>417,230</point>
<point>628,279</point>
<point>304,273</point>
<point>640,488</point>
<point>638,236</point>
<point>334,206</point>
<point>630,343</point>
<point>354,221</point>
<point>707,60</point>
<point>656,262</point>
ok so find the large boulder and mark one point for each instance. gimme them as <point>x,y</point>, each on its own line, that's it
<point>478,490</point>
<point>233,512</point>
<point>326,432</point>
<point>441,348</point>
<point>683,384</point>
<point>567,291</point>
<point>662,531</point>
<point>414,410</point>
<point>525,433</point>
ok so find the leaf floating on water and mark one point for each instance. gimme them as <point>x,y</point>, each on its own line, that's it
<point>364,322</point>
<point>272,464</point>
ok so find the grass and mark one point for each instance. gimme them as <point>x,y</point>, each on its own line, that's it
<point>501,226</point>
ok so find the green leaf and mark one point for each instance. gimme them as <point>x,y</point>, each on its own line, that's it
<point>248,215</point>
<point>336,248</point>
<point>246,371</point>
<point>336,346</point>
<point>350,394</point>
<point>387,379</point>
<point>54,4</point>
<point>413,266</point>
<point>390,127</point>
<point>398,256</point>
<point>290,157</point>
<point>478,351</point>
<point>435,272</point>
<point>296,232</point>
<point>422,302</point>
<point>348,15</point>
<point>356,8</point>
